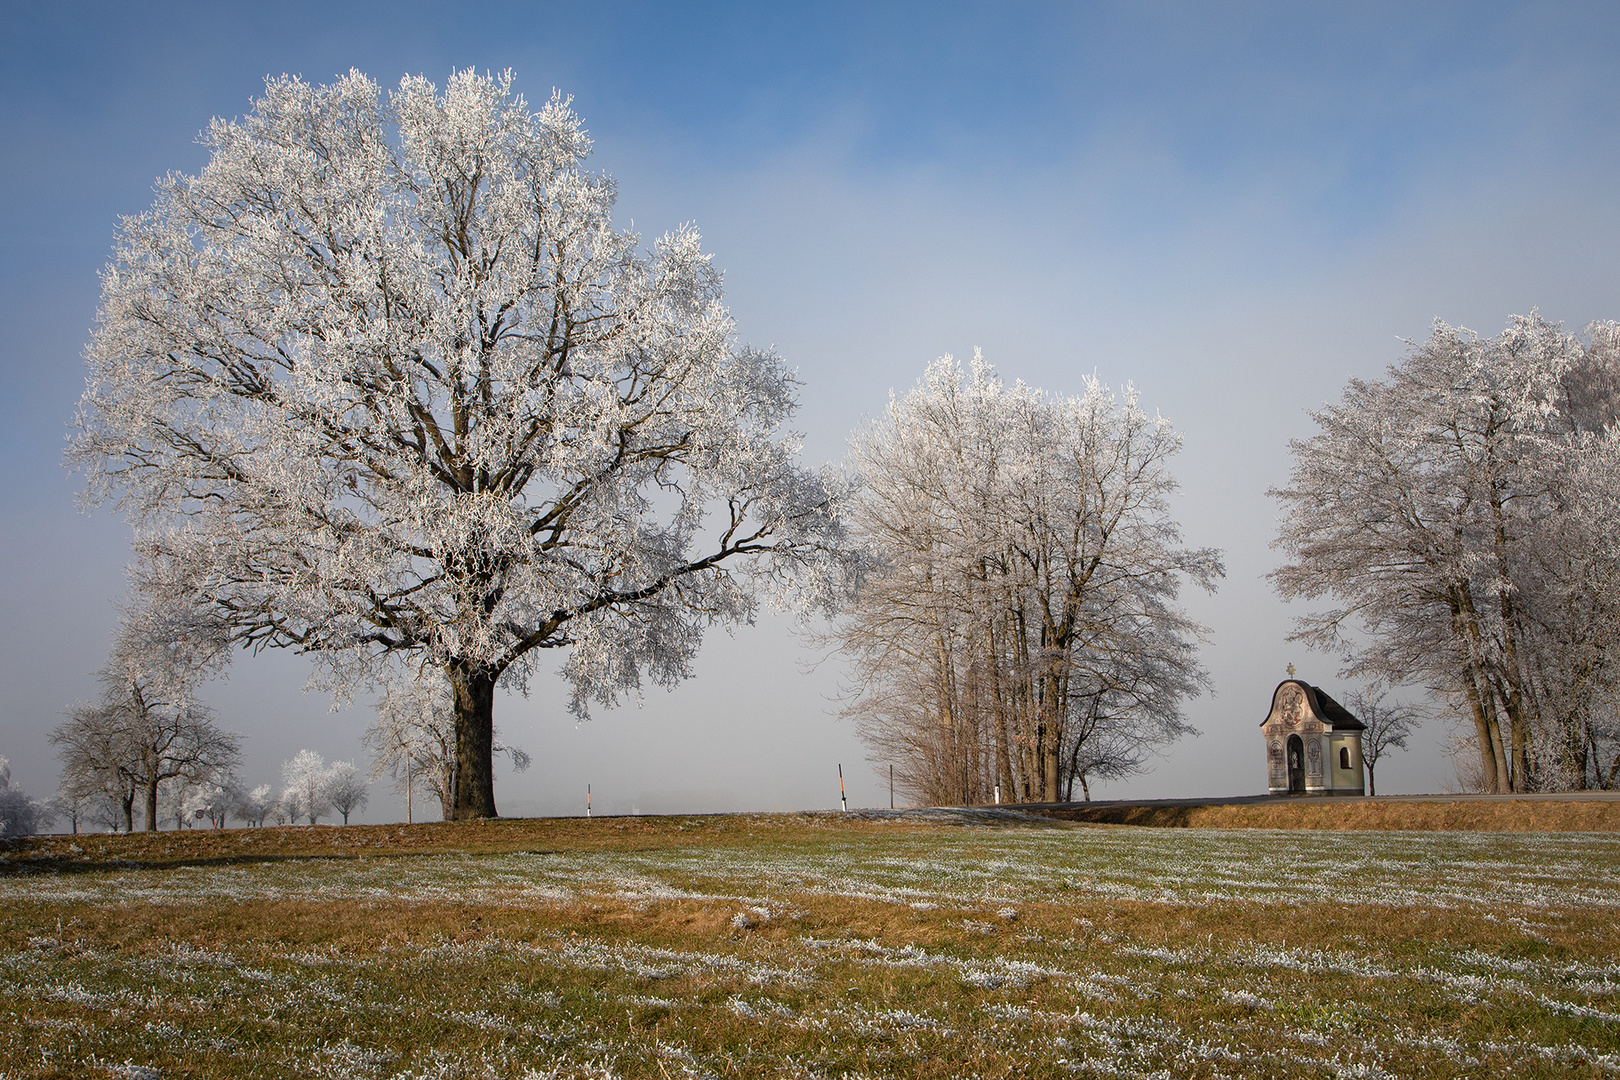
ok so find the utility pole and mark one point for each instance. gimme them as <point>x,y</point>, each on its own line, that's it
<point>843,801</point>
<point>891,787</point>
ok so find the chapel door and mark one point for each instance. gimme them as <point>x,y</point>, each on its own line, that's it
<point>1296,765</point>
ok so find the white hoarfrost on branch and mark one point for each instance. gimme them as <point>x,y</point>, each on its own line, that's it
<point>384,378</point>
<point>1020,632</point>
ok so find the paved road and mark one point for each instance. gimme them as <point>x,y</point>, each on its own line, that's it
<point>1258,800</point>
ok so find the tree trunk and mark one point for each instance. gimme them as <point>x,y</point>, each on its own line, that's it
<point>1493,765</point>
<point>1512,671</point>
<point>1521,746</point>
<point>151,804</point>
<point>1052,738</point>
<point>1504,767</point>
<point>1004,769</point>
<point>1575,739</point>
<point>475,741</point>
<point>1483,739</point>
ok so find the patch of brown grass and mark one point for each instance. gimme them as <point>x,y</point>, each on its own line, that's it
<point>1516,815</point>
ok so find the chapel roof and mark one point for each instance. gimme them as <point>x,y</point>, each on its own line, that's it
<point>1338,717</point>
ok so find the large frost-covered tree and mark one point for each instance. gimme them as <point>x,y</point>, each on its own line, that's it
<point>384,378</point>
<point>1020,630</point>
<point>1462,513</point>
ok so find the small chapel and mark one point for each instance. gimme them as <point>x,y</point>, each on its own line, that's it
<point>1313,744</point>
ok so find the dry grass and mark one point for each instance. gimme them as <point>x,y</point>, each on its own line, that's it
<point>810,945</point>
<point>1518,815</point>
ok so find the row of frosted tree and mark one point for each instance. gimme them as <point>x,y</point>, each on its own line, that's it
<point>1018,632</point>
<point>102,796</point>
<point>148,749</point>
<point>1463,516</point>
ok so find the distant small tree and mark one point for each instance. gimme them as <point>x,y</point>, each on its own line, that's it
<point>147,730</point>
<point>345,788</point>
<point>212,802</point>
<point>1110,754</point>
<point>70,804</point>
<point>20,815</point>
<point>305,779</point>
<point>129,745</point>
<point>1389,725</point>
<point>174,803</point>
<point>253,807</point>
<point>94,759</point>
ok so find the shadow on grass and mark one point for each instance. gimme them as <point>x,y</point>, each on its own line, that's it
<point>41,866</point>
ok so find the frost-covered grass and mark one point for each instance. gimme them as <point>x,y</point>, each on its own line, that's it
<point>792,946</point>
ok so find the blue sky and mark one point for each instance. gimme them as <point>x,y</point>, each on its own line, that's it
<point>1235,207</point>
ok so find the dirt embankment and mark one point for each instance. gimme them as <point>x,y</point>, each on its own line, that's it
<point>1513,815</point>
<point>542,835</point>
<point>505,835</point>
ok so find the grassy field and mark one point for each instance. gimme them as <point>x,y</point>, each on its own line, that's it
<point>932,945</point>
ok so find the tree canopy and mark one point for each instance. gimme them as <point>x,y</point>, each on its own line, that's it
<point>384,378</point>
